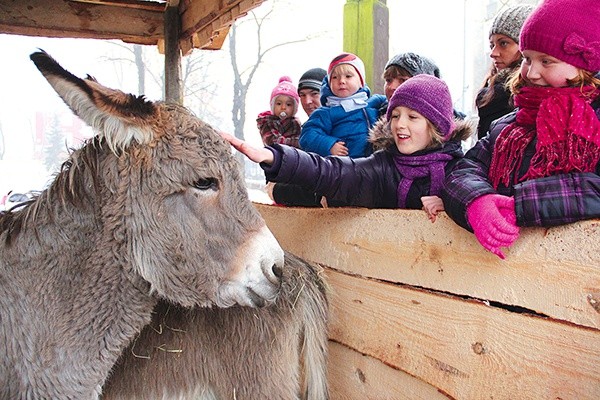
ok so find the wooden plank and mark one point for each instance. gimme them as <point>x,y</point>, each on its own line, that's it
<point>197,17</point>
<point>466,349</point>
<point>139,5</point>
<point>60,18</point>
<point>550,271</point>
<point>355,376</point>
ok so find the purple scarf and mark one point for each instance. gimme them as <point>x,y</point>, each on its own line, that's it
<point>413,167</point>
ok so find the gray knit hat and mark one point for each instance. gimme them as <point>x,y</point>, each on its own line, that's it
<point>509,21</point>
<point>414,64</point>
<point>312,79</point>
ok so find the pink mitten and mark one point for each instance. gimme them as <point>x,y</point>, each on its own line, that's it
<point>494,222</point>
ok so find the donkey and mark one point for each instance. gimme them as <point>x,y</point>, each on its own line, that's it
<point>150,211</point>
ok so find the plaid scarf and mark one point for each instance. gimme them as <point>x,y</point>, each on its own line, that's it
<point>567,130</point>
<point>276,130</point>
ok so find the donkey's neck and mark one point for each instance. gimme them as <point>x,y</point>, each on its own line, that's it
<point>85,304</point>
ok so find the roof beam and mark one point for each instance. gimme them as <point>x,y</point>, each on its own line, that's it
<point>77,19</point>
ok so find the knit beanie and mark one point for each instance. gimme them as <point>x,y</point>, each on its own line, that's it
<point>285,88</point>
<point>348,58</point>
<point>414,64</point>
<point>565,29</point>
<point>430,97</point>
<point>510,21</point>
<point>312,79</point>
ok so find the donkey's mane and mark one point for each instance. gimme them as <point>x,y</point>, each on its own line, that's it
<point>76,185</point>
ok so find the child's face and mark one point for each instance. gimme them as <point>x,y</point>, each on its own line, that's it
<point>410,130</point>
<point>283,106</point>
<point>344,81</point>
<point>540,69</point>
<point>504,51</point>
<point>391,84</point>
<point>310,99</point>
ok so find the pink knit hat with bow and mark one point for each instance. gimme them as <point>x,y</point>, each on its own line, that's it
<point>285,88</point>
<point>565,29</point>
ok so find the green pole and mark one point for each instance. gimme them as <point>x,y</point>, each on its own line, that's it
<point>366,34</point>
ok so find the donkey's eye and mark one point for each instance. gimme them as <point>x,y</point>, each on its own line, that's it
<point>206,184</point>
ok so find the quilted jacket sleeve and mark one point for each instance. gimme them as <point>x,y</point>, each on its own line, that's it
<point>314,136</point>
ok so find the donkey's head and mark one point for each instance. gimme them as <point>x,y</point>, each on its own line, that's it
<point>171,199</point>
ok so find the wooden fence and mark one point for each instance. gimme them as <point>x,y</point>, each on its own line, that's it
<point>422,311</point>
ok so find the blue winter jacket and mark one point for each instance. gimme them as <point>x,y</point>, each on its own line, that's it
<point>328,125</point>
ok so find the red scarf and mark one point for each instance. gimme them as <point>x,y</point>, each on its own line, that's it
<point>567,129</point>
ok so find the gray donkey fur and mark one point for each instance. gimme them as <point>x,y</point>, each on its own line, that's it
<point>250,353</point>
<point>151,212</point>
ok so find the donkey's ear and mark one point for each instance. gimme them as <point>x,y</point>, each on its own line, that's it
<point>118,117</point>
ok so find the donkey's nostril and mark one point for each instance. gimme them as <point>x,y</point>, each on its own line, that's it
<point>277,270</point>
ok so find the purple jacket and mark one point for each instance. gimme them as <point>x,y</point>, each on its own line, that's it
<point>362,182</point>
<point>549,201</point>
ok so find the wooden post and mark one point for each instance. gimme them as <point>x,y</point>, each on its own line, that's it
<point>173,85</point>
<point>366,34</point>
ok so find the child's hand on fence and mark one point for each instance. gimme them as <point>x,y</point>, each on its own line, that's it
<point>258,155</point>
<point>432,205</point>
<point>493,220</point>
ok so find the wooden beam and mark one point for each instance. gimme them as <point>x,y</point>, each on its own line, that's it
<point>553,271</point>
<point>138,5</point>
<point>466,349</point>
<point>173,84</point>
<point>208,21</point>
<point>76,19</point>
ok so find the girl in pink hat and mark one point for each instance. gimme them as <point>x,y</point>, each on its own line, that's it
<point>540,165</point>
<point>279,124</point>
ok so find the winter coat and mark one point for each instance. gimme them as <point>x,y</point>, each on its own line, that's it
<point>328,125</point>
<point>499,105</point>
<point>370,182</point>
<point>548,201</point>
<point>276,130</point>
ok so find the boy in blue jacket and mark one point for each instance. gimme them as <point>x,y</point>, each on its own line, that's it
<point>341,126</point>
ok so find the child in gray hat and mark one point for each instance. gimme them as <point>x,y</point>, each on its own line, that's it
<point>493,99</point>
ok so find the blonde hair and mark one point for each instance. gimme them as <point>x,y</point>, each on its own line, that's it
<point>342,69</point>
<point>437,139</point>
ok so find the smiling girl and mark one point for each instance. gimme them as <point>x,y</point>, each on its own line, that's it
<point>539,166</point>
<point>409,173</point>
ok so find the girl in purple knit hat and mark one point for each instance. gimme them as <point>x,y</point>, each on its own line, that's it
<point>540,165</point>
<point>279,124</point>
<point>409,173</point>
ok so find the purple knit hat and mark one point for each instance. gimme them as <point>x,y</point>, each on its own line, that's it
<point>348,58</point>
<point>565,29</point>
<point>285,88</point>
<point>430,97</point>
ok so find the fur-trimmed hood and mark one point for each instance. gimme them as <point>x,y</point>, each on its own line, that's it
<point>380,135</point>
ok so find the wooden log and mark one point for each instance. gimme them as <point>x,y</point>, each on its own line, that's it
<point>465,348</point>
<point>355,376</point>
<point>554,272</point>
